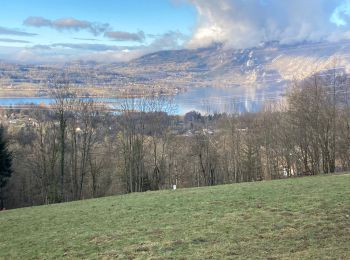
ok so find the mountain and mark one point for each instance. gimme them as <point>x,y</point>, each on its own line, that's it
<point>267,68</point>
<point>266,65</point>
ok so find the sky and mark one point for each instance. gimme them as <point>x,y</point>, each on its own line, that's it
<point>41,31</point>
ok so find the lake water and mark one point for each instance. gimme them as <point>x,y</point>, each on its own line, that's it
<point>206,100</point>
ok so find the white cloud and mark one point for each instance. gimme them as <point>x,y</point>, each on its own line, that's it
<point>125,36</point>
<point>7,31</point>
<point>247,23</point>
<point>68,23</point>
<point>65,52</point>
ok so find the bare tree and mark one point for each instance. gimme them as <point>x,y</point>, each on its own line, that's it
<point>63,95</point>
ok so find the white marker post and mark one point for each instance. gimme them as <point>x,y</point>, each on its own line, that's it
<point>174,185</point>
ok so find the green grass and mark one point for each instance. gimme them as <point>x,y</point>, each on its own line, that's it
<point>304,218</point>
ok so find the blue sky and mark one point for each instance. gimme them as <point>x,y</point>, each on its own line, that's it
<point>118,30</point>
<point>103,30</point>
<point>151,16</point>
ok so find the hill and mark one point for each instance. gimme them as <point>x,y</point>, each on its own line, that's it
<point>304,218</point>
<point>269,67</point>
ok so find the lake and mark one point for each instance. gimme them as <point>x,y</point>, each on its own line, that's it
<point>206,100</point>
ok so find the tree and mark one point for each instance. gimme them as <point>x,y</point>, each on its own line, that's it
<point>61,92</point>
<point>132,137</point>
<point>83,139</point>
<point>5,165</point>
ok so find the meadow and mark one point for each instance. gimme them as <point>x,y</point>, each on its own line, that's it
<point>299,218</point>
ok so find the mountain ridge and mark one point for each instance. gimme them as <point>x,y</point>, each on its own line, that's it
<point>271,63</point>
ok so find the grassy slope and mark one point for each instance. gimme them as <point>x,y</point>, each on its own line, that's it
<point>294,218</point>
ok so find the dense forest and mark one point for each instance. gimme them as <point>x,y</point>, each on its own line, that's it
<point>79,149</point>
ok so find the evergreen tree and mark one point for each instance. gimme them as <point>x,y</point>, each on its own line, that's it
<point>5,165</point>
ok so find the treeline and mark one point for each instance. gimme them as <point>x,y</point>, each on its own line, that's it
<point>78,150</point>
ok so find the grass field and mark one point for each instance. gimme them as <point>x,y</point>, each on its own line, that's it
<point>303,218</point>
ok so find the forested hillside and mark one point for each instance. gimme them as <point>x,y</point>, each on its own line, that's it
<point>79,149</point>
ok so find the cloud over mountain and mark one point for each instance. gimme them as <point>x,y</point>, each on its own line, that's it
<point>247,23</point>
<point>168,41</point>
